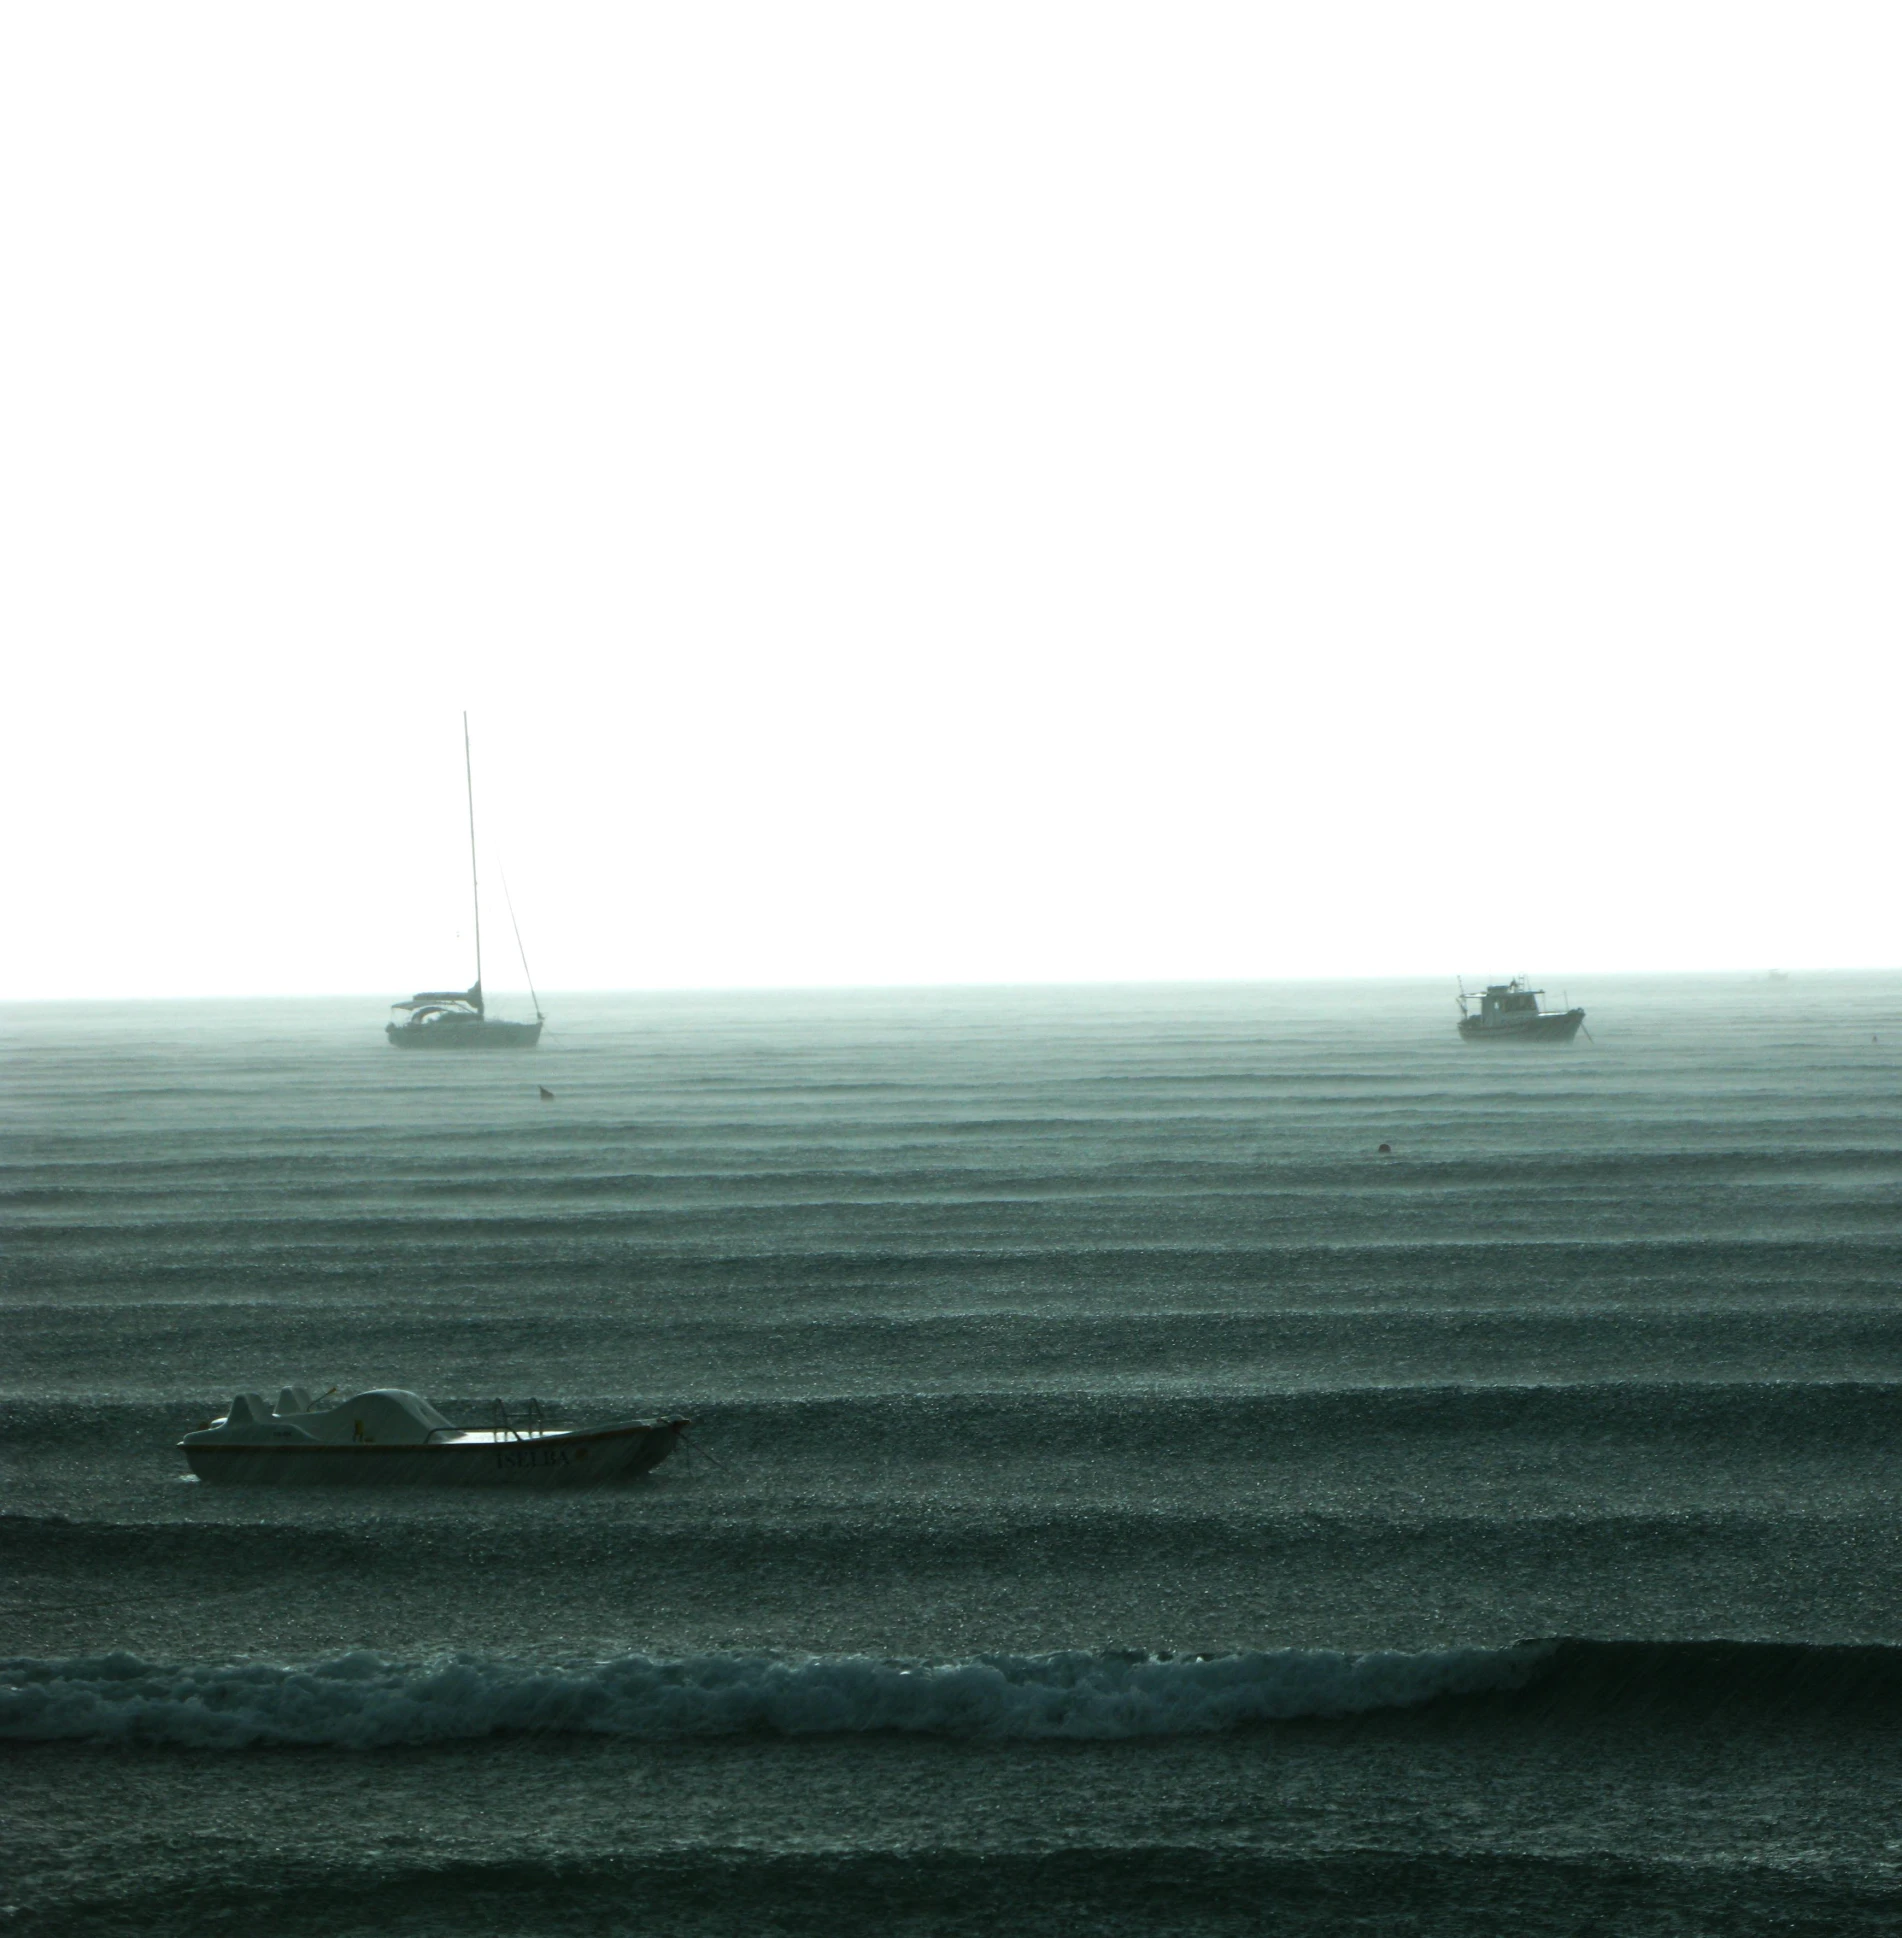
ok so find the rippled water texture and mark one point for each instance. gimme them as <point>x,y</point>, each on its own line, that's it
<point>1118,1490</point>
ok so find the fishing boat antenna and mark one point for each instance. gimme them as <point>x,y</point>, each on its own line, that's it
<point>475,886</point>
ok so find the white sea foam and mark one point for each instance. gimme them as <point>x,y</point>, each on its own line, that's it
<point>364,1701</point>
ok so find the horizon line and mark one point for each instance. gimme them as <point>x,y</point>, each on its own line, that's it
<point>1756,972</point>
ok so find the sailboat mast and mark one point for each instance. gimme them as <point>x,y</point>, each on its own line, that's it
<point>475,885</point>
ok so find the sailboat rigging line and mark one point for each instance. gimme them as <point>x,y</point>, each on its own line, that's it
<point>527,976</point>
<point>458,1019</point>
<point>475,886</point>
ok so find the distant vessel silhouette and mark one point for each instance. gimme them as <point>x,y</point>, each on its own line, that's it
<point>1509,1012</point>
<point>457,1019</point>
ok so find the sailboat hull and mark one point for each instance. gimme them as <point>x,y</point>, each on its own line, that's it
<point>464,1033</point>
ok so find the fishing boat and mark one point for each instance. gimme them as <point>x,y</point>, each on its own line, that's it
<point>458,1019</point>
<point>389,1436</point>
<point>1509,1012</point>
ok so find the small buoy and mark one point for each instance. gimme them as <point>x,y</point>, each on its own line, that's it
<point>548,1096</point>
<point>1386,1150</point>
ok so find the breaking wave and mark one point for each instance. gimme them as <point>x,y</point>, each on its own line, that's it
<point>366,1701</point>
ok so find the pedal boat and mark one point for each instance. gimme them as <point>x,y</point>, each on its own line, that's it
<point>388,1437</point>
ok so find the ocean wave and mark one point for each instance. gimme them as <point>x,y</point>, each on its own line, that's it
<point>1745,1408</point>
<point>1143,1890</point>
<point>367,1701</point>
<point>363,1700</point>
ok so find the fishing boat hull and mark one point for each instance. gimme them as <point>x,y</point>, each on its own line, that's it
<point>475,1034</point>
<point>536,1460</point>
<point>1548,1026</point>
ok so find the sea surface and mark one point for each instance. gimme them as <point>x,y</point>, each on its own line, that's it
<point>1121,1499</point>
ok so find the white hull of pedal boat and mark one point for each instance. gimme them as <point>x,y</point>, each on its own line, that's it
<point>393,1438</point>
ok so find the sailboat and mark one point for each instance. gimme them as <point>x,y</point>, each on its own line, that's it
<point>458,1019</point>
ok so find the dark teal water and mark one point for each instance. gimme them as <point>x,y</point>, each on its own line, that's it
<point>1119,1493</point>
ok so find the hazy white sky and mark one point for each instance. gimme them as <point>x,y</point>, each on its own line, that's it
<point>928,493</point>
